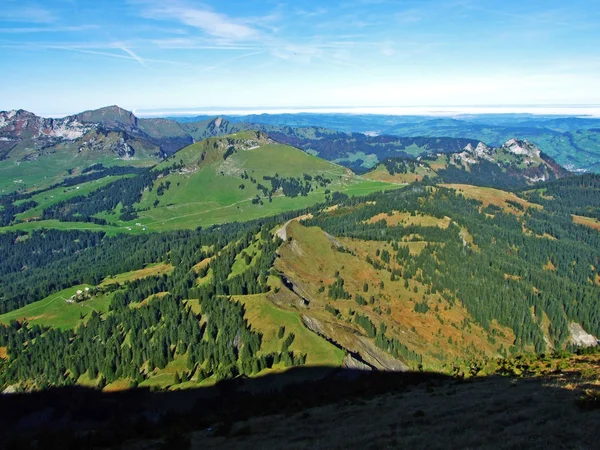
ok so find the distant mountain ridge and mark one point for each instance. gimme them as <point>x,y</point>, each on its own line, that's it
<point>109,130</point>
<point>514,164</point>
<point>573,141</point>
<point>55,149</point>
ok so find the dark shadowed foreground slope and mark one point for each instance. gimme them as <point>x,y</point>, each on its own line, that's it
<point>551,404</point>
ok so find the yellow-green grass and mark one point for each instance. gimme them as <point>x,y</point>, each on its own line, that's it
<point>265,317</point>
<point>380,173</point>
<point>192,215</point>
<point>164,378</point>
<point>208,278</point>
<point>121,384</point>
<point>407,219</point>
<point>55,311</point>
<point>587,221</point>
<point>441,162</point>
<point>85,380</point>
<point>58,225</point>
<point>491,196</point>
<point>48,198</point>
<point>149,270</point>
<point>52,169</point>
<point>211,194</point>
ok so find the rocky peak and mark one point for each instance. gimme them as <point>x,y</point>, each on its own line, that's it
<point>521,147</point>
<point>110,117</point>
<point>483,149</point>
<point>217,124</point>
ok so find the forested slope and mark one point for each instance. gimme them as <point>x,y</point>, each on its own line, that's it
<point>418,277</point>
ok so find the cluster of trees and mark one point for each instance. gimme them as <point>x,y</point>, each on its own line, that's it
<point>293,187</point>
<point>391,345</point>
<point>484,173</point>
<point>82,208</point>
<point>162,187</point>
<point>336,289</point>
<point>9,209</point>
<point>397,165</point>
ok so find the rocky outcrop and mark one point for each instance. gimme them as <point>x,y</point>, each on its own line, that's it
<point>580,337</point>
<point>359,347</point>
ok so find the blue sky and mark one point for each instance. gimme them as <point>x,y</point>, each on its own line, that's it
<point>64,56</point>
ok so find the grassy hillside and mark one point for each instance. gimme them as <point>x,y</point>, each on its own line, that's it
<point>216,190</point>
<point>314,262</point>
<point>235,178</point>
<point>56,311</point>
<point>268,318</point>
<point>239,177</point>
<point>41,173</point>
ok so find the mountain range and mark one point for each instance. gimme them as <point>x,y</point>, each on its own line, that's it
<point>111,130</point>
<point>38,152</point>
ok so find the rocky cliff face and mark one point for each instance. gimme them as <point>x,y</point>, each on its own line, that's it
<point>26,136</point>
<point>15,125</point>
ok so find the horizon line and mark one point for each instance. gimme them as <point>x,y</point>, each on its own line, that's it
<point>577,110</point>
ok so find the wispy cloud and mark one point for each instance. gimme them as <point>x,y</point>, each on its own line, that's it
<point>409,16</point>
<point>134,56</point>
<point>311,13</point>
<point>107,50</point>
<point>26,14</point>
<point>47,29</point>
<point>227,61</point>
<point>192,43</point>
<point>210,22</point>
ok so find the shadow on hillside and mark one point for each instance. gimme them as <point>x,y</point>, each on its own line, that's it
<point>79,417</point>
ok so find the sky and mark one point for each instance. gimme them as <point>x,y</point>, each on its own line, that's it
<point>64,56</point>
